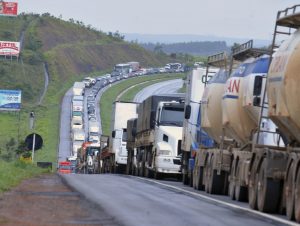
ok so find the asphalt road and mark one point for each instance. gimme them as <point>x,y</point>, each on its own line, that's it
<point>65,127</point>
<point>133,201</point>
<point>166,87</point>
<point>139,201</point>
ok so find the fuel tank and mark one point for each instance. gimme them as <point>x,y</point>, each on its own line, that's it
<point>242,97</point>
<point>211,107</point>
<point>284,88</point>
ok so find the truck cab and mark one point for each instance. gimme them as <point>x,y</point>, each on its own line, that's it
<point>168,135</point>
<point>119,143</point>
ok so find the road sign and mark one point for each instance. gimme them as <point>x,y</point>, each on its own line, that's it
<point>38,141</point>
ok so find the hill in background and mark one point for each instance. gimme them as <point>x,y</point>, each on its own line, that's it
<point>193,48</point>
<point>67,51</point>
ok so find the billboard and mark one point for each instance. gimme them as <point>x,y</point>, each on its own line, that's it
<point>8,8</point>
<point>9,48</point>
<point>10,100</point>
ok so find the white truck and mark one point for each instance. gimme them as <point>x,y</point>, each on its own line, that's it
<point>94,135</point>
<point>135,66</point>
<point>78,137</point>
<point>195,84</point>
<point>76,123</point>
<point>115,157</point>
<point>78,89</point>
<point>158,136</point>
<point>77,105</point>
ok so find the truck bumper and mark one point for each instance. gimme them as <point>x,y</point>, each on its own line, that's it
<point>167,164</point>
<point>121,160</point>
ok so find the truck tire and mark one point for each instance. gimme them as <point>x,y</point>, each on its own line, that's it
<point>198,178</point>
<point>241,192</point>
<point>268,191</point>
<point>290,193</point>
<point>252,188</point>
<point>185,178</point>
<point>231,191</point>
<point>297,197</point>
<point>157,175</point>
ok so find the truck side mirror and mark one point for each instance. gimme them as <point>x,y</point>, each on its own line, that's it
<point>257,85</point>
<point>187,112</point>
<point>113,134</point>
<point>256,101</point>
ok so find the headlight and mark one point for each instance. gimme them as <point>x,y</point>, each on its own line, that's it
<point>164,152</point>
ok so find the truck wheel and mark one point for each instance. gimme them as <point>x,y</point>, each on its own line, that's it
<point>297,197</point>
<point>198,178</point>
<point>289,193</point>
<point>252,188</point>
<point>185,178</point>
<point>216,183</point>
<point>241,192</point>
<point>191,179</point>
<point>231,191</point>
<point>268,191</point>
<point>147,175</point>
<point>157,175</point>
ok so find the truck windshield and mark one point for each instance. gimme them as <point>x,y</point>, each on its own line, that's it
<point>172,115</point>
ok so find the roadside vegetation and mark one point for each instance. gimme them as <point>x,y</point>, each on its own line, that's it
<point>71,50</point>
<point>111,94</point>
<point>15,172</point>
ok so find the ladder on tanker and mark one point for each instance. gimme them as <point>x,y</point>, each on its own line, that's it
<point>287,20</point>
<point>217,61</point>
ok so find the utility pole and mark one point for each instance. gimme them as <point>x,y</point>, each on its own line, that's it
<point>31,126</point>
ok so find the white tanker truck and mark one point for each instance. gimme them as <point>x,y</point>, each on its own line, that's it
<point>255,120</point>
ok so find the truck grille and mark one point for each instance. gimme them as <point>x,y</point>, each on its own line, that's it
<point>177,161</point>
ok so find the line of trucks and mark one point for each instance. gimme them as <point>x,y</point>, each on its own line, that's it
<point>235,132</point>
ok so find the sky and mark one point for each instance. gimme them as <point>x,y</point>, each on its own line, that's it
<point>224,18</point>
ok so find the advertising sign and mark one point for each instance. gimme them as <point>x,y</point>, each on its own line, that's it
<point>8,8</point>
<point>10,100</point>
<point>9,48</point>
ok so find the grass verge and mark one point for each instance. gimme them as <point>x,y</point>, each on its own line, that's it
<point>111,94</point>
<point>15,172</point>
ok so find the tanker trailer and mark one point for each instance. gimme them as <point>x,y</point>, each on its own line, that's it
<point>274,166</point>
<point>211,116</point>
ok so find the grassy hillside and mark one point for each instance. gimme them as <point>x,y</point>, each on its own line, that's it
<point>71,50</point>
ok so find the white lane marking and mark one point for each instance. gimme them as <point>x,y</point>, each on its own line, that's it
<point>274,218</point>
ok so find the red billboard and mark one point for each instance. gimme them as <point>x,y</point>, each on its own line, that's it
<point>8,8</point>
<point>9,48</point>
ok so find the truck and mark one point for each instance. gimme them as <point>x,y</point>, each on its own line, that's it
<point>88,159</point>
<point>195,83</point>
<point>230,117</point>
<point>78,89</point>
<point>276,169</point>
<point>94,135</point>
<point>158,136</point>
<point>130,145</point>
<point>76,123</point>
<point>77,105</point>
<point>78,137</point>
<point>135,66</point>
<point>114,157</point>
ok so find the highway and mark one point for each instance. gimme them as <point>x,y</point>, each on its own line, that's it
<point>140,201</point>
<point>165,87</point>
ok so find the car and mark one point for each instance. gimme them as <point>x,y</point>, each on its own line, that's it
<point>91,111</point>
<point>92,116</point>
<point>90,98</point>
<point>91,103</point>
<point>92,119</point>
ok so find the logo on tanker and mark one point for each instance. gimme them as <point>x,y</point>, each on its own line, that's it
<point>232,88</point>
